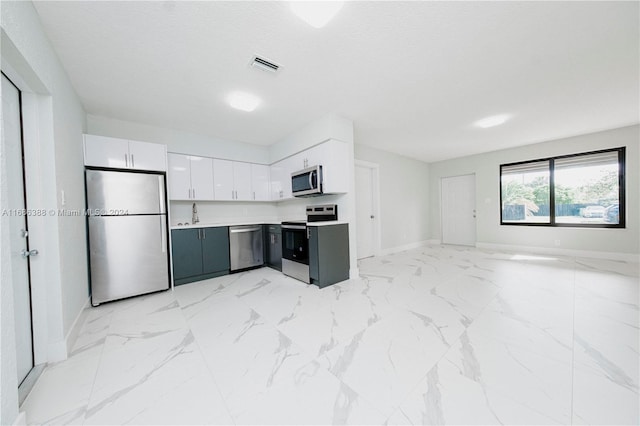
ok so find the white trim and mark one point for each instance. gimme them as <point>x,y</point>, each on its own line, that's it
<point>76,326</point>
<point>354,273</point>
<point>405,247</point>
<point>590,254</point>
<point>21,420</point>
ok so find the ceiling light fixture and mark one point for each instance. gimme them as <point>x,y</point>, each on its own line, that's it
<point>494,120</point>
<point>243,101</point>
<point>316,13</point>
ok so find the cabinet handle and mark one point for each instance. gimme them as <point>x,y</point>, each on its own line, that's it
<point>189,191</point>
<point>194,193</point>
<point>126,160</point>
<point>133,161</point>
<point>254,195</point>
<point>199,234</point>
<point>204,234</point>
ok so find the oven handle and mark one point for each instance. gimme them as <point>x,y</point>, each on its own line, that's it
<point>294,227</point>
<point>238,230</point>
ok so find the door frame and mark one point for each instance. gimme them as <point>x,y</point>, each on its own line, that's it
<point>375,194</point>
<point>40,188</point>
<point>442,214</point>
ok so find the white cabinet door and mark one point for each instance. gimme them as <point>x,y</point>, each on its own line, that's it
<point>260,182</point>
<point>223,180</point>
<point>277,178</point>
<point>334,158</point>
<point>201,178</point>
<point>147,156</point>
<point>102,151</point>
<point>179,177</point>
<point>242,181</point>
<point>291,165</point>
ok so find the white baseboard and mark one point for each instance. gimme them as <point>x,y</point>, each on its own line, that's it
<point>384,252</point>
<point>354,273</point>
<point>74,330</point>
<point>590,254</point>
<point>21,420</point>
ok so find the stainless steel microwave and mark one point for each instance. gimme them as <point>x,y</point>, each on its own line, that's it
<point>307,182</point>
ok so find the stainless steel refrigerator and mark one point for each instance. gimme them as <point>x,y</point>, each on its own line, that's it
<point>127,225</point>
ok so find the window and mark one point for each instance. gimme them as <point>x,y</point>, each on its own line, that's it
<point>585,190</point>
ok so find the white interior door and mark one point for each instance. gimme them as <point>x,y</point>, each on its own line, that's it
<point>366,211</point>
<point>12,147</point>
<point>459,210</point>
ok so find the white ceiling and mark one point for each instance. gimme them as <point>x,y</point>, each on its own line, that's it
<point>413,76</point>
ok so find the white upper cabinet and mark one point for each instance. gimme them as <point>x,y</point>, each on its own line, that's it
<point>179,177</point>
<point>190,177</point>
<point>333,156</point>
<point>234,181</point>
<point>202,179</point>
<point>147,156</point>
<point>260,182</point>
<point>242,181</point>
<point>102,151</point>
<point>281,178</point>
<point>223,180</point>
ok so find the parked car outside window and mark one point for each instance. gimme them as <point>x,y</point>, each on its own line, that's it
<point>593,211</point>
<point>612,214</point>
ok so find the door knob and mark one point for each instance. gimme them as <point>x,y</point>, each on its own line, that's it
<point>27,253</point>
<point>24,233</point>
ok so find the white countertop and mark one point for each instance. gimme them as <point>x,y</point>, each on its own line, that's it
<point>215,224</point>
<point>327,223</point>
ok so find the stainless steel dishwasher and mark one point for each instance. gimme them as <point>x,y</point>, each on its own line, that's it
<point>245,246</point>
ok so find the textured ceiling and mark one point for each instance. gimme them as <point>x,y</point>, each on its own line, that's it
<point>413,76</point>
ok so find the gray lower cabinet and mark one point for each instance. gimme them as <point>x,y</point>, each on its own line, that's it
<point>199,253</point>
<point>273,246</point>
<point>328,254</point>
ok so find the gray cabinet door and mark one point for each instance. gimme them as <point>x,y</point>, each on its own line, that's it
<point>187,253</point>
<point>215,249</point>
<point>273,246</point>
<point>328,254</point>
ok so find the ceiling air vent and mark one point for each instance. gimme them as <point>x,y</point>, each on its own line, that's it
<point>264,64</point>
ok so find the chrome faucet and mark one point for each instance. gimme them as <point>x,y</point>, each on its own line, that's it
<point>194,214</point>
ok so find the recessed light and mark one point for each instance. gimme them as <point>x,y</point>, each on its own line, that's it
<point>243,101</point>
<point>494,120</point>
<point>316,13</point>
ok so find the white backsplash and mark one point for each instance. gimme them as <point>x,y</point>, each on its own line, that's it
<point>210,212</point>
<point>223,212</point>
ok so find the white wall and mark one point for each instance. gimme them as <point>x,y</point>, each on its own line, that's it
<point>487,170</point>
<point>56,121</point>
<point>404,197</point>
<point>178,141</point>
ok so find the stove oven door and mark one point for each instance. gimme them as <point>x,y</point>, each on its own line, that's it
<point>295,243</point>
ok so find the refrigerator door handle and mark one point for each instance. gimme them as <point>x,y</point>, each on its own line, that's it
<point>160,196</point>
<point>163,234</point>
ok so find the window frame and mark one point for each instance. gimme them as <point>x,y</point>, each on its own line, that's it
<point>552,207</point>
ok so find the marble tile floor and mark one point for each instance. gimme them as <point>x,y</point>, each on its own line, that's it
<point>435,335</point>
